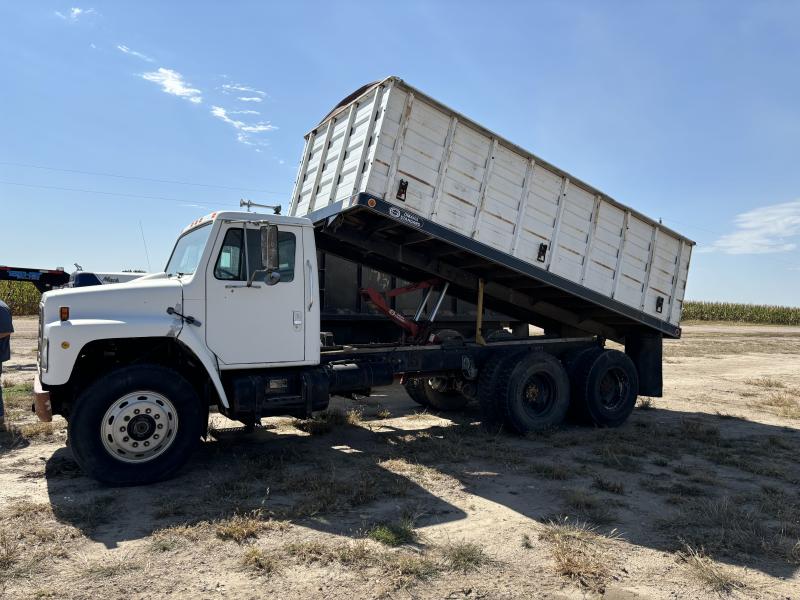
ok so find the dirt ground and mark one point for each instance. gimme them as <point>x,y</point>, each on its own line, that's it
<point>695,497</point>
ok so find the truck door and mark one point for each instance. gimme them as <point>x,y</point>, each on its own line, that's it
<point>258,324</point>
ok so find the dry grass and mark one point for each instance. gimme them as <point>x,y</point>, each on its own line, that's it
<point>240,527</point>
<point>111,565</point>
<point>765,382</point>
<point>722,526</point>
<point>10,552</point>
<point>606,485</point>
<point>784,403</point>
<point>394,534</point>
<point>464,556</point>
<point>260,561</point>
<point>326,421</point>
<point>170,538</point>
<point>90,513</point>
<point>589,507</point>
<point>404,569</point>
<point>355,553</point>
<point>552,470</point>
<point>645,403</point>
<point>326,490</point>
<point>708,573</point>
<point>167,507</point>
<point>578,553</point>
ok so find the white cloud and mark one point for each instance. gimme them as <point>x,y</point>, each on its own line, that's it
<point>243,112</point>
<point>227,88</point>
<point>764,230</point>
<point>249,99</point>
<point>259,127</point>
<point>172,82</point>
<point>75,13</point>
<point>123,48</point>
<point>245,131</point>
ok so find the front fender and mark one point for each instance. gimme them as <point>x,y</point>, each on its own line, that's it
<point>66,339</point>
<point>190,336</point>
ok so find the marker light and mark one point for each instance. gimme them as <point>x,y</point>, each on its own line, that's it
<point>63,313</point>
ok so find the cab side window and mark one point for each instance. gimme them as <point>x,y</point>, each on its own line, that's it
<point>231,264</point>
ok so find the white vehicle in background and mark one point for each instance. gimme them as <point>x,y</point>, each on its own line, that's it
<point>233,321</point>
<point>81,278</point>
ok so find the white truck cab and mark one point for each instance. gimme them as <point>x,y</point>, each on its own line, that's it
<point>216,308</point>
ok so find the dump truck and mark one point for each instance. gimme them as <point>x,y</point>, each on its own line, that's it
<point>394,181</point>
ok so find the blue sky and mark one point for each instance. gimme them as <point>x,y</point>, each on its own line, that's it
<point>687,111</point>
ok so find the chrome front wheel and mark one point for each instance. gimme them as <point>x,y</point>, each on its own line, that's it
<point>139,426</point>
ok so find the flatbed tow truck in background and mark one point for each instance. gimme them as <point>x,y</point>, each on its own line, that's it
<point>52,279</point>
<point>394,181</point>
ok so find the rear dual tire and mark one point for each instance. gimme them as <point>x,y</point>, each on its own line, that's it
<point>605,385</point>
<point>422,391</point>
<point>535,392</point>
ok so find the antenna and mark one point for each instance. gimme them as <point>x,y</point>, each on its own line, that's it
<point>146,253</point>
<point>250,204</point>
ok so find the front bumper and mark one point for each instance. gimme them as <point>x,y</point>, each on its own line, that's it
<point>41,402</point>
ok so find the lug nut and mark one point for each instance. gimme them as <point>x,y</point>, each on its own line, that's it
<point>135,444</point>
<point>136,411</point>
<point>147,444</point>
<point>122,429</point>
<point>126,438</point>
<point>160,426</point>
<point>127,418</point>
<point>155,436</point>
<point>147,410</point>
<point>157,416</point>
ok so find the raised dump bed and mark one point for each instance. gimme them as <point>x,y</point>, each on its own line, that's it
<point>408,177</point>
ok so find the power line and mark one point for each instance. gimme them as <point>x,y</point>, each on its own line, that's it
<point>119,194</point>
<point>206,185</point>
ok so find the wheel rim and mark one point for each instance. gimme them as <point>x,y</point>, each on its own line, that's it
<point>139,426</point>
<point>613,389</point>
<point>539,395</point>
<point>440,384</point>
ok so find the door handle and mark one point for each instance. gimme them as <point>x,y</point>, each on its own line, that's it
<point>310,284</point>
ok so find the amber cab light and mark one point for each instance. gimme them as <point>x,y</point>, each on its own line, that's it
<point>63,313</point>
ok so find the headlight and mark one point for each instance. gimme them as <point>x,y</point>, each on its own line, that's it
<point>43,355</point>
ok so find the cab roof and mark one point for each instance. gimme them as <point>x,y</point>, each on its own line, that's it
<point>233,215</point>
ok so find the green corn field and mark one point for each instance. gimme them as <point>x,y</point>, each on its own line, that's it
<point>22,297</point>
<point>741,313</point>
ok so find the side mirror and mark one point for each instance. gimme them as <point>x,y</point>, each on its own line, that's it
<point>269,257</point>
<point>269,247</point>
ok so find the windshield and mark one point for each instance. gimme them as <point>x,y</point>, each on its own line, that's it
<point>187,252</point>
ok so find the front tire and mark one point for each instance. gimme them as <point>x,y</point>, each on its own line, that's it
<point>136,425</point>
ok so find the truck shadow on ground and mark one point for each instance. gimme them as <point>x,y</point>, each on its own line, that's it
<point>665,480</point>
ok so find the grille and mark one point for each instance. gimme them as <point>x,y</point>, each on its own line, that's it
<point>39,339</point>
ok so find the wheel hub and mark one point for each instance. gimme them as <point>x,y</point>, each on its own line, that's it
<point>139,426</point>
<point>613,389</point>
<point>538,395</point>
